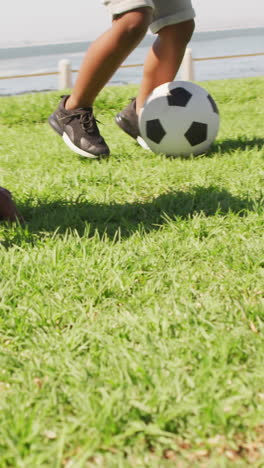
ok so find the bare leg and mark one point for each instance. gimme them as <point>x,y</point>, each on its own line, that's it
<point>106,54</point>
<point>164,58</point>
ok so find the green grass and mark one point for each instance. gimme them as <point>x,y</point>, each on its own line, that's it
<point>132,300</point>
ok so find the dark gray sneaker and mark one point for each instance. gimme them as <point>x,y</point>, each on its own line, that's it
<point>127,119</point>
<point>79,130</point>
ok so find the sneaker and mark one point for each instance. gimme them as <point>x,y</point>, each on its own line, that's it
<point>79,130</point>
<point>127,119</point>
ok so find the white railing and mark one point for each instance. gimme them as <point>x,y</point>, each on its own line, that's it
<point>187,71</point>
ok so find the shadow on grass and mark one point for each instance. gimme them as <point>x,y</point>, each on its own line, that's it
<point>127,218</point>
<point>224,147</point>
<point>243,144</point>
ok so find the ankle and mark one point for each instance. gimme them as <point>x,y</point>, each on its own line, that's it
<point>69,104</point>
<point>138,106</point>
<point>73,103</point>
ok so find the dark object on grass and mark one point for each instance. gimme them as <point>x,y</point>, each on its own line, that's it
<point>8,210</point>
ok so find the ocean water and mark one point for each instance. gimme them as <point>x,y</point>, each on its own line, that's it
<point>44,58</point>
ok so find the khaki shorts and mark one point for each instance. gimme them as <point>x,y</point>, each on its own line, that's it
<point>165,12</point>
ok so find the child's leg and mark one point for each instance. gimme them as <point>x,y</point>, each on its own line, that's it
<point>164,58</point>
<point>162,64</point>
<point>106,54</point>
<point>73,119</point>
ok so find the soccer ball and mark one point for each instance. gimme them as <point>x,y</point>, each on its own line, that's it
<point>179,118</point>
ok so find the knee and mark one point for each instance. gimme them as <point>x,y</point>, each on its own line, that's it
<point>188,30</point>
<point>135,23</point>
<point>180,33</point>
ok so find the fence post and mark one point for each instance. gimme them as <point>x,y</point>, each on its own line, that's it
<point>65,74</point>
<point>187,67</point>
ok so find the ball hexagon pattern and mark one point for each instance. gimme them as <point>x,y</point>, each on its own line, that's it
<point>179,118</point>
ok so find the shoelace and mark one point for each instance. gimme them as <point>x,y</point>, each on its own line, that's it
<point>87,120</point>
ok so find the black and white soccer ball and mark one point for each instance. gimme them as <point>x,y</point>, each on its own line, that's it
<point>179,118</point>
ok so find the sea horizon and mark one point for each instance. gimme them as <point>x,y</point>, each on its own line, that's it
<point>202,33</point>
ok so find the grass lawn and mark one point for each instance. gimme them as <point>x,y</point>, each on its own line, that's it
<point>132,300</point>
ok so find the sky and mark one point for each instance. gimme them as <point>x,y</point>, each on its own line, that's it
<point>31,21</point>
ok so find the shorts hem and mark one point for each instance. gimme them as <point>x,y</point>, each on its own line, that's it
<point>180,17</point>
<point>125,6</point>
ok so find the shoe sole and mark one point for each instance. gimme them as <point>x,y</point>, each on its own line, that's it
<point>142,143</point>
<point>53,123</point>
